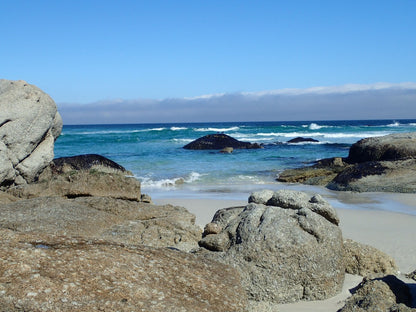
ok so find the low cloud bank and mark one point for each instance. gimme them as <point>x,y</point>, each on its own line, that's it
<point>375,101</point>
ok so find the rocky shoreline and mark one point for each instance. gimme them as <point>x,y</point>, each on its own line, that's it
<point>78,234</point>
<point>380,164</point>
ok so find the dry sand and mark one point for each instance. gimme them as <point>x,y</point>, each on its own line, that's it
<point>393,233</point>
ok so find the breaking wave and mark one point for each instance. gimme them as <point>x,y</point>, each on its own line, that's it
<point>150,183</point>
<point>217,129</point>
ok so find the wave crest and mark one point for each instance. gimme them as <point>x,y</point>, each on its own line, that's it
<point>169,183</point>
<point>217,129</point>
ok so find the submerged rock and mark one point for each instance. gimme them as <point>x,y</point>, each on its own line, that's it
<point>219,141</point>
<point>302,140</point>
<point>290,249</point>
<point>29,125</point>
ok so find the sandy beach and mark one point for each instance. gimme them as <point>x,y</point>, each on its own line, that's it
<point>390,232</point>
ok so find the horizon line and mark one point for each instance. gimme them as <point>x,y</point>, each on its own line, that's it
<point>393,120</point>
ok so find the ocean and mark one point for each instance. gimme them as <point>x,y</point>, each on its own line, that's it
<point>154,152</point>
<point>155,155</point>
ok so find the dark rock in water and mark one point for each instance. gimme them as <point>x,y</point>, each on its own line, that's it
<point>378,164</point>
<point>390,147</point>
<point>219,141</point>
<point>84,162</point>
<point>301,140</point>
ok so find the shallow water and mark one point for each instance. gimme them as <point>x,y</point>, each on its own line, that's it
<point>394,202</point>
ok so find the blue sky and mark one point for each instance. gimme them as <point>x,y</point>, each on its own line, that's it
<point>89,51</point>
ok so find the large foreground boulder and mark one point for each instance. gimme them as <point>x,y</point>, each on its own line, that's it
<point>78,241</point>
<point>92,217</point>
<point>219,141</point>
<point>286,245</point>
<point>95,204</point>
<point>82,239</point>
<point>53,273</point>
<point>29,125</point>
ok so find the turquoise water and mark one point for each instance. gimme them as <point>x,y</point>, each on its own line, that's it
<point>154,153</point>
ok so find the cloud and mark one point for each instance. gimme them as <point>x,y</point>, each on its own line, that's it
<point>353,101</point>
<point>348,88</point>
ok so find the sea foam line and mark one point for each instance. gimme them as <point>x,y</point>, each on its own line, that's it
<point>217,129</point>
<point>315,126</point>
<point>183,140</point>
<point>394,124</point>
<point>323,134</point>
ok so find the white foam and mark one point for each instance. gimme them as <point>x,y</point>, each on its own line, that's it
<point>183,140</point>
<point>314,126</point>
<point>354,135</point>
<point>308,143</point>
<point>178,128</point>
<point>325,135</point>
<point>270,134</point>
<point>247,178</point>
<point>169,183</point>
<point>216,129</point>
<point>394,124</point>
<point>321,136</point>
